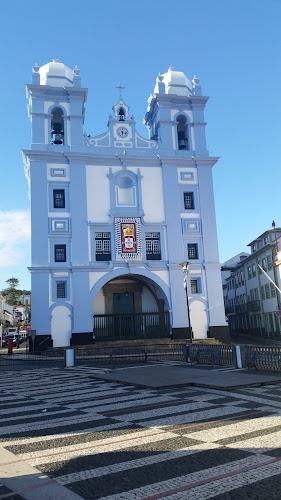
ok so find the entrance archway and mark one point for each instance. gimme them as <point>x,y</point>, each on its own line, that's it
<point>130,306</point>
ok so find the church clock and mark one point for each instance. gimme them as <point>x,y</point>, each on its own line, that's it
<point>122,132</point>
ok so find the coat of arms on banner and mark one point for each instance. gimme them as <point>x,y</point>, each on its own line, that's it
<point>128,234</point>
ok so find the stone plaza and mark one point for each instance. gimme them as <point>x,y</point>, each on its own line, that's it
<point>68,434</point>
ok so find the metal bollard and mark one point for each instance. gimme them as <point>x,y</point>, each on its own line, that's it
<point>186,353</point>
<point>69,357</point>
<point>238,356</point>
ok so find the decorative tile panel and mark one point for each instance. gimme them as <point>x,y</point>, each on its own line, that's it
<point>133,227</point>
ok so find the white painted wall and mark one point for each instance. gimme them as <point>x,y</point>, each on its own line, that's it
<point>61,326</point>
<point>98,193</point>
<point>198,319</point>
<point>152,194</point>
<point>99,304</point>
<point>148,302</point>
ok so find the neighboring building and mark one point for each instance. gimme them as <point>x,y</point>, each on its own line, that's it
<point>227,268</point>
<point>20,314</point>
<point>6,312</point>
<point>113,215</point>
<point>25,299</point>
<point>251,299</point>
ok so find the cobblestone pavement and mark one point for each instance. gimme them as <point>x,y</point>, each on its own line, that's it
<point>103,440</point>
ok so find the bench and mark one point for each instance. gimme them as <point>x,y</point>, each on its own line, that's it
<point>125,353</point>
<point>207,355</point>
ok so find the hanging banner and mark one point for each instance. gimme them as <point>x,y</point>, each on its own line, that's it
<point>128,235</point>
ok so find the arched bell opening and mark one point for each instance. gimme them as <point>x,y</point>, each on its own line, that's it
<point>130,307</point>
<point>57,126</point>
<point>121,114</point>
<point>182,131</point>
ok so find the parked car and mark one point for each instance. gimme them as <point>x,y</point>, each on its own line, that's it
<point>6,339</point>
<point>12,330</point>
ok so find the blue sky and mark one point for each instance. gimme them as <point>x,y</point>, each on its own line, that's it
<point>233,46</point>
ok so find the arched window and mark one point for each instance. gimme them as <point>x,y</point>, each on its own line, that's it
<point>121,115</point>
<point>182,131</point>
<point>57,126</point>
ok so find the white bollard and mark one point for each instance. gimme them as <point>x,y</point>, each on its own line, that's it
<point>238,356</point>
<point>69,358</point>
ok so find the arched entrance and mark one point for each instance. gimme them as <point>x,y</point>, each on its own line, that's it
<point>130,307</point>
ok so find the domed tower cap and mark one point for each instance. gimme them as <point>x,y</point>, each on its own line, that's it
<point>56,74</point>
<point>176,83</point>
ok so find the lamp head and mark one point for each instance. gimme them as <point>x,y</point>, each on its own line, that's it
<point>185,266</point>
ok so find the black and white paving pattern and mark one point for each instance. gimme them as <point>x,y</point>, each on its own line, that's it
<point>97,439</point>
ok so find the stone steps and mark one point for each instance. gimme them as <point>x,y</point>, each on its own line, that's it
<point>149,343</point>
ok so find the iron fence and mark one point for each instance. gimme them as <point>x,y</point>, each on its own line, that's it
<point>110,327</point>
<point>222,355</point>
<point>26,361</point>
<point>105,356</point>
<point>262,358</point>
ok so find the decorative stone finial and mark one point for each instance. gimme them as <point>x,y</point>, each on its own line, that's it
<point>197,90</point>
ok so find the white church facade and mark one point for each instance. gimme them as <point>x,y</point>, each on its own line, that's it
<point>114,215</point>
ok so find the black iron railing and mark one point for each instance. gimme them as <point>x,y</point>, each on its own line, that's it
<point>131,326</point>
<point>263,358</point>
<point>241,308</point>
<point>222,355</point>
<point>254,305</point>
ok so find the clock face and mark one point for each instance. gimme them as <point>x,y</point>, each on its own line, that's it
<point>122,132</point>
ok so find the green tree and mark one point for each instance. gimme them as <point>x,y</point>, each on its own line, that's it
<point>27,313</point>
<point>11,293</point>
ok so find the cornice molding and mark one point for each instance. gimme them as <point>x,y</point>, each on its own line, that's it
<point>111,159</point>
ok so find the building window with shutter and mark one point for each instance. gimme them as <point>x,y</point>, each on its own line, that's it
<point>192,250</point>
<point>188,199</point>
<point>152,246</point>
<point>60,253</point>
<point>59,198</point>
<point>61,289</point>
<point>195,286</point>
<point>103,246</point>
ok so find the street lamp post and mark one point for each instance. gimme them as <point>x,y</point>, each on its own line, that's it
<point>185,266</point>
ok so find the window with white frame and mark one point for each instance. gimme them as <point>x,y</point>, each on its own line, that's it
<point>249,272</point>
<point>254,270</point>
<point>273,290</point>
<point>269,262</point>
<point>152,246</point>
<point>267,291</point>
<point>103,246</point>
<point>263,264</point>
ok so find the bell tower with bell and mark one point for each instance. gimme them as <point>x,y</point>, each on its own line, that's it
<point>175,114</point>
<point>56,106</point>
